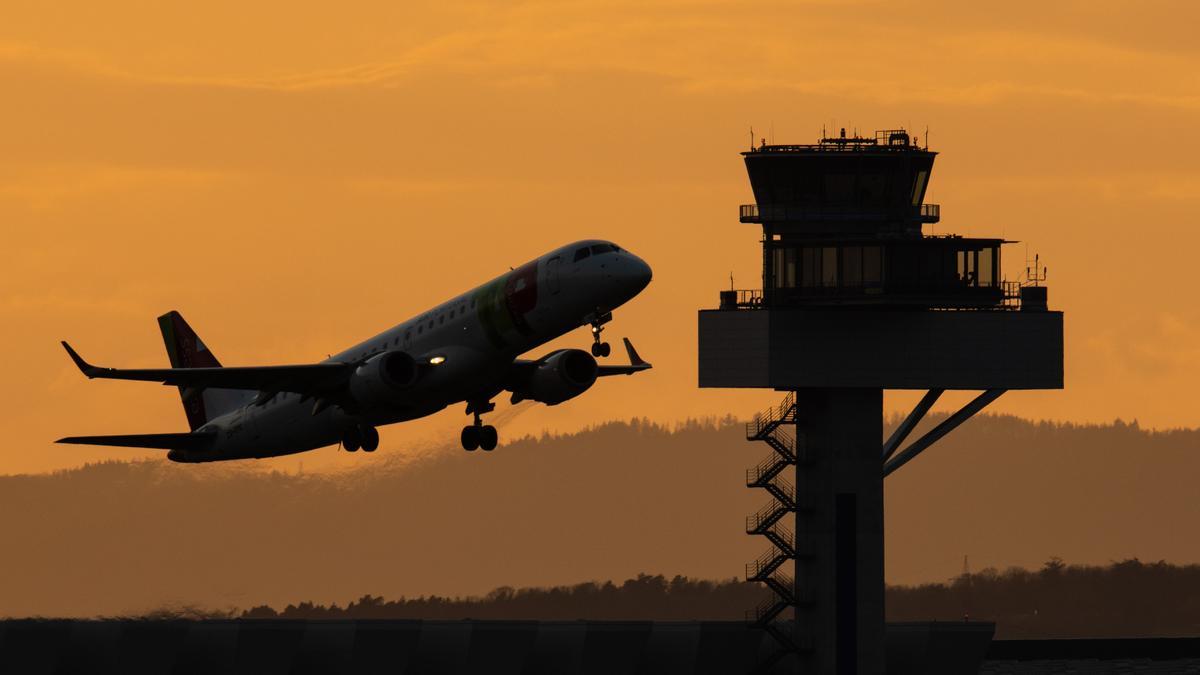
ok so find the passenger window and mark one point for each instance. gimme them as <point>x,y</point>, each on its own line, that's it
<point>582,253</point>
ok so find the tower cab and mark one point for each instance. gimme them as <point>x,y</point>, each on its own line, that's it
<point>842,225</point>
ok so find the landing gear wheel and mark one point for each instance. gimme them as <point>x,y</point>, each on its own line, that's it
<point>601,349</point>
<point>488,438</point>
<point>470,438</point>
<point>370,439</point>
<point>351,440</point>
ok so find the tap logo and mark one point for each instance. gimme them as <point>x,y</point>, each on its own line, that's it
<point>503,304</point>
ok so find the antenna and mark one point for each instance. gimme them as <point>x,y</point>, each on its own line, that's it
<point>751,137</point>
<point>1036,273</point>
<point>967,583</point>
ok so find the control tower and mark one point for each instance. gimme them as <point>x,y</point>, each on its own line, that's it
<point>856,299</point>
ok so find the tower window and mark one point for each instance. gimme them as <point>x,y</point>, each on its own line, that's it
<point>987,275</point>
<point>872,266</point>
<point>852,276</point>
<point>810,267</point>
<point>829,266</point>
<point>966,267</point>
<point>919,187</point>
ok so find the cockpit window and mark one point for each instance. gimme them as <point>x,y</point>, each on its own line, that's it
<point>582,253</point>
<point>603,248</point>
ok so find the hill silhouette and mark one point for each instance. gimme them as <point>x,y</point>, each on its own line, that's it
<point>606,503</point>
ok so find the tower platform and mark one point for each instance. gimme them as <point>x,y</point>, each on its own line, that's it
<point>790,348</point>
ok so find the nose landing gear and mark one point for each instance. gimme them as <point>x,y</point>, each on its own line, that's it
<point>479,435</point>
<point>600,349</point>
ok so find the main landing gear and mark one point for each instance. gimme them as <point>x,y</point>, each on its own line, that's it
<point>479,435</point>
<point>600,349</point>
<point>364,436</point>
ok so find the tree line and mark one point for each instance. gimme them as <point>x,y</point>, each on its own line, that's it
<point>1125,598</point>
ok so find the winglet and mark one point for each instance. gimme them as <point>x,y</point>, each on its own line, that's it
<point>84,367</point>
<point>634,359</point>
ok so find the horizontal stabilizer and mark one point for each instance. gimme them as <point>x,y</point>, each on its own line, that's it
<point>636,363</point>
<point>192,441</point>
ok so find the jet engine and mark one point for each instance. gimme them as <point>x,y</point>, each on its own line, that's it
<point>384,375</point>
<point>559,378</point>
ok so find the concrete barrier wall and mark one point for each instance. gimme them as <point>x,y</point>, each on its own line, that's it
<point>263,647</point>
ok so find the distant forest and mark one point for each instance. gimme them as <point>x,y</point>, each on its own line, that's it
<point>1127,598</point>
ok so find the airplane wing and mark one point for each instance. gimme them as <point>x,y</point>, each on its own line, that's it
<point>308,379</point>
<point>192,441</point>
<point>636,364</point>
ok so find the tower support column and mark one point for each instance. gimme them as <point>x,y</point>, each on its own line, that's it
<point>839,530</point>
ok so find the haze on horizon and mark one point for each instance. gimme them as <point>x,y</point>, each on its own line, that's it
<point>293,179</point>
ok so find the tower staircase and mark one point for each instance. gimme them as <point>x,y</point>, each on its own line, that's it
<point>769,521</point>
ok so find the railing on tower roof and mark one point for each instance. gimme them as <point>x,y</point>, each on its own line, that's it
<point>885,140</point>
<point>753,213</point>
<point>1002,296</point>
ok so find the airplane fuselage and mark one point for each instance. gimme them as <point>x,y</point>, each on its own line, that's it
<point>465,348</point>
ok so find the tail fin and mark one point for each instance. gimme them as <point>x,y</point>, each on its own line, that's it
<point>187,350</point>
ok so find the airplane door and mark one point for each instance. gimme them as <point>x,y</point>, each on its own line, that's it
<point>552,271</point>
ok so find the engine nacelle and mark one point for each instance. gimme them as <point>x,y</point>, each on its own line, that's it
<point>562,377</point>
<point>383,376</point>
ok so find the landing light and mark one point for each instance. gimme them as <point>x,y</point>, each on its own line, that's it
<point>437,360</point>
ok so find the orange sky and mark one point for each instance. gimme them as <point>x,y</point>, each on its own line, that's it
<point>294,179</point>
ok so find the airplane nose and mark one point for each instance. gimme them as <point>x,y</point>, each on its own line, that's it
<point>636,275</point>
<point>642,274</point>
<point>627,275</point>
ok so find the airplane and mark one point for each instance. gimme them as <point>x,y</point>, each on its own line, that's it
<point>465,350</point>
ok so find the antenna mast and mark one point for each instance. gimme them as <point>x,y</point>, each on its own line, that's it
<point>966,575</point>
